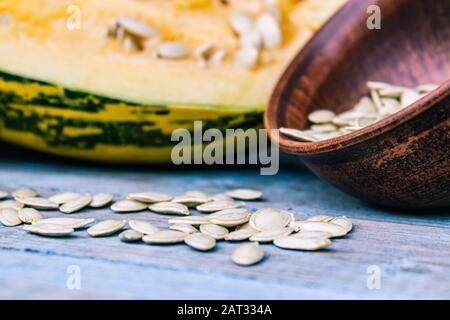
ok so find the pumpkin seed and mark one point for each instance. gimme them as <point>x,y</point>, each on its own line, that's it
<point>248,57</point>
<point>312,234</point>
<point>270,219</point>
<point>73,223</point>
<point>393,92</point>
<point>271,235</point>
<point>215,231</point>
<point>325,128</point>
<point>240,22</point>
<point>30,215</point>
<point>172,50</point>
<point>320,217</point>
<point>106,228</point>
<point>244,194</point>
<point>170,208</point>
<point>376,100</point>
<point>321,116</point>
<point>334,229</point>
<point>241,234</point>
<point>149,197</point>
<point>231,219</point>
<point>341,121</point>
<point>391,104</point>
<point>49,230</point>
<point>192,220</point>
<point>190,201</point>
<point>384,100</point>
<point>11,204</point>
<point>100,200</point>
<point>128,206</point>
<point>245,226</point>
<point>365,105</point>
<point>38,203</point>
<point>64,197</point>
<point>325,135</point>
<point>349,129</point>
<point>351,115</point>
<point>130,236</point>
<point>164,237</point>
<point>183,227</point>
<point>77,204</point>
<point>298,135</point>
<point>3,194</point>
<point>9,217</point>
<point>365,121</point>
<point>200,241</point>
<point>247,254</point>
<point>24,193</point>
<point>252,39</point>
<point>143,227</point>
<point>409,97</point>
<point>228,211</point>
<point>219,205</point>
<point>136,27</point>
<point>270,30</point>
<point>388,109</point>
<point>298,243</point>
<point>344,222</point>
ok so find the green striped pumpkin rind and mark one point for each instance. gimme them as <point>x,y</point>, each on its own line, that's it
<point>115,133</point>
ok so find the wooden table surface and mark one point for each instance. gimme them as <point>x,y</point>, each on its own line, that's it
<point>411,250</point>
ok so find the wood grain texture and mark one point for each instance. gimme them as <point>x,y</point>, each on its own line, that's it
<point>411,250</point>
<point>402,161</point>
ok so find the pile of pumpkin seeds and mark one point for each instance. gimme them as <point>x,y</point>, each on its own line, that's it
<point>256,33</point>
<point>385,99</point>
<point>222,216</point>
<point>253,33</point>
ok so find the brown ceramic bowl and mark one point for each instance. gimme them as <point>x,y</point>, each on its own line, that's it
<point>402,161</point>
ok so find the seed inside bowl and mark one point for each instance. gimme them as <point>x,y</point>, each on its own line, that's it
<point>384,99</point>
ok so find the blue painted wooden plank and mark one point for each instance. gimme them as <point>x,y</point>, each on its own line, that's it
<point>299,190</point>
<point>404,255</point>
<point>412,251</point>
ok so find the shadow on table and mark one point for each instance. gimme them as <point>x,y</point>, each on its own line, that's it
<point>17,154</point>
<point>289,165</point>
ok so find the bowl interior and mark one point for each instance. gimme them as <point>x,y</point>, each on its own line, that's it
<point>411,48</point>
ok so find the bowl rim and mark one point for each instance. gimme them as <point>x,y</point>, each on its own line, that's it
<point>333,144</point>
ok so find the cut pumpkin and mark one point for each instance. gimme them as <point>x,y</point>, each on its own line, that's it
<point>68,89</point>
